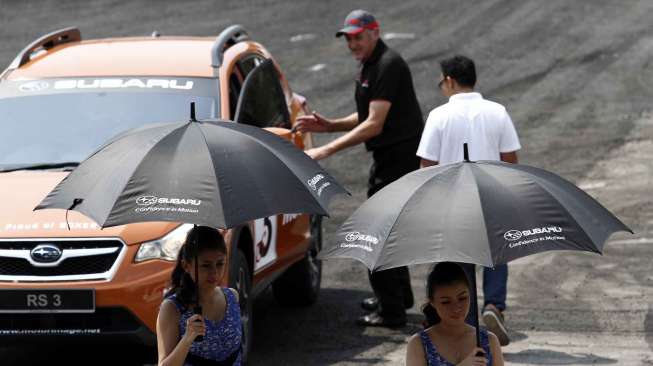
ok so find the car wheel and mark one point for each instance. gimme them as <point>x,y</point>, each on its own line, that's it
<point>300,284</point>
<point>240,279</point>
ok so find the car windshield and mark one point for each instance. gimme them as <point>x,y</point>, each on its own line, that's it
<point>61,129</point>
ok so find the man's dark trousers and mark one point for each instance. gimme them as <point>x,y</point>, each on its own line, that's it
<point>392,286</point>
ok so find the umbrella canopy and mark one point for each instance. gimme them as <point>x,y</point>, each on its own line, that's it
<point>212,173</point>
<point>485,212</point>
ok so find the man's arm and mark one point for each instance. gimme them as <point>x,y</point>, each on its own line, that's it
<point>509,141</point>
<point>364,131</point>
<point>316,122</point>
<point>347,123</point>
<point>425,163</point>
<point>509,157</point>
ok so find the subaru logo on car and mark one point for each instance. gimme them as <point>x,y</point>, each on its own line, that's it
<point>146,200</point>
<point>46,253</point>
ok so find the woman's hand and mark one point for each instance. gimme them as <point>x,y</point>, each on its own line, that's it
<point>194,327</point>
<point>473,360</point>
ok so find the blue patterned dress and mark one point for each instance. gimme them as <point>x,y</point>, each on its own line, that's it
<point>222,338</point>
<point>433,358</point>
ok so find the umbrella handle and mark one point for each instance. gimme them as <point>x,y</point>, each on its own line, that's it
<point>198,310</point>
<point>192,112</point>
<point>470,271</point>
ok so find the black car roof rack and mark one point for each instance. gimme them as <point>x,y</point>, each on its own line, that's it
<point>228,37</point>
<point>46,42</point>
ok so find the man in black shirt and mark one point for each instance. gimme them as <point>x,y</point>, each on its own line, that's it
<point>389,121</point>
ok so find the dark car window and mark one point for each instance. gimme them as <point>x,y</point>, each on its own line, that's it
<point>240,72</point>
<point>234,92</point>
<point>249,63</point>
<point>67,127</point>
<point>262,102</point>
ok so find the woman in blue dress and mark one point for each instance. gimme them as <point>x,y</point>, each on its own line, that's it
<point>447,339</point>
<point>219,321</point>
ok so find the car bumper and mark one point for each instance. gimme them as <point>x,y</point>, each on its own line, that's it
<point>126,307</point>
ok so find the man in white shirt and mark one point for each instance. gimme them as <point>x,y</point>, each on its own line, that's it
<point>490,134</point>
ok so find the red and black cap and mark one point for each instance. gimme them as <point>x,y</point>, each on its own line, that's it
<point>357,21</point>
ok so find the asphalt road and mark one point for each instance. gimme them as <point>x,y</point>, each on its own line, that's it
<point>576,78</point>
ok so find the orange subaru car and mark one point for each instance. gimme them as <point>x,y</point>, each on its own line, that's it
<point>60,99</point>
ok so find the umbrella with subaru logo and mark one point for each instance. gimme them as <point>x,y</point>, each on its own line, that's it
<point>212,173</point>
<point>485,212</point>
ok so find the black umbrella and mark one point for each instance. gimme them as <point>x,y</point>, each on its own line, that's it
<point>484,212</point>
<point>211,172</point>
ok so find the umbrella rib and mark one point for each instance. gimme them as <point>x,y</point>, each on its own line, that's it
<point>279,156</point>
<point>570,216</point>
<point>537,180</point>
<point>403,207</point>
<point>480,199</point>
<point>206,143</point>
<point>116,138</point>
<point>137,166</point>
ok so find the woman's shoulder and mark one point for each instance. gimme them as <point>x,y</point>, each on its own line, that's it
<point>432,330</point>
<point>233,291</point>
<point>415,344</point>
<point>423,336</point>
<point>169,309</point>
<point>174,300</point>
<point>417,337</point>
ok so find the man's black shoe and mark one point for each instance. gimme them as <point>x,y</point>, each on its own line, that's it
<point>376,320</point>
<point>372,303</point>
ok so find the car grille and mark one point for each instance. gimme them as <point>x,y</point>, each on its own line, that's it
<point>14,264</point>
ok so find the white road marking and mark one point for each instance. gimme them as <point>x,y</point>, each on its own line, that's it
<point>592,185</point>
<point>631,241</point>
<point>317,67</point>
<point>302,37</point>
<point>392,35</point>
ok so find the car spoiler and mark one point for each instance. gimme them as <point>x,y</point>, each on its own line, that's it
<point>45,42</point>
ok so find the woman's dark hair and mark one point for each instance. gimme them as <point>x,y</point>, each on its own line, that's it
<point>198,239</point>
<point>461,69</point>
<point>442,274</point>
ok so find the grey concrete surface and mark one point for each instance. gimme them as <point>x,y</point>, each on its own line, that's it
<point>576,77</point>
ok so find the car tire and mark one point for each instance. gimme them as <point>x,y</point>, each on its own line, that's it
<point>240,278</point>
<point>300,284</point>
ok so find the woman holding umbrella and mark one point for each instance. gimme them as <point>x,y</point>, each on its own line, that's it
<point>204,332</point>
<point>447,339</point>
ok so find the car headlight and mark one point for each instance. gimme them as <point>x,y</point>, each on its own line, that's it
<point>166,248</point>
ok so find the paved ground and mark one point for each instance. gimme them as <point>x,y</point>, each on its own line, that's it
<point>576,77</point>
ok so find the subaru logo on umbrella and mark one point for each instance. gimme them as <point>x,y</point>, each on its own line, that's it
<point>146,200</point>
<point>46,253</point>
<point>512,235</point>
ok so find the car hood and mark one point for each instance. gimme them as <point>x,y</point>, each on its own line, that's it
<point>21,191</point>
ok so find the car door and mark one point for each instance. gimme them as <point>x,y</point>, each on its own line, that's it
<point>262,103</point>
